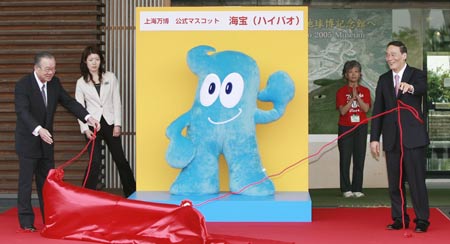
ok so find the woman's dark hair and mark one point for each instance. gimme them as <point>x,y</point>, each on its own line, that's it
<point>83,66</point>
<point>350,65</point>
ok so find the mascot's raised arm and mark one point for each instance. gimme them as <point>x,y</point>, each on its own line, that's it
<point>223,121</point>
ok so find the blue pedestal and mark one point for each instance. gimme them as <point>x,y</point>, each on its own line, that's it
<point>281,207</point>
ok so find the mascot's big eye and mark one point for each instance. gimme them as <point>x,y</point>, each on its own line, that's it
<point>232,89</point>
<point>210,90</point>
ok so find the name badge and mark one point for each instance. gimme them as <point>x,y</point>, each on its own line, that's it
<point>354,118</point>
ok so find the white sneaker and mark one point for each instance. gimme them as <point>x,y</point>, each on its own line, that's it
<point>347,194</point>
<point>358,194</point>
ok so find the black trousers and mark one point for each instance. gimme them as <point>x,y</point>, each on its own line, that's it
<point>29,167</point>
<point>115,147</point>
<point>352,145</point>
<point>413,171</point>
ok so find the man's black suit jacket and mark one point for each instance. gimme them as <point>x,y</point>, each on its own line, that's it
<point>414,132</point>
<point>31,112</point>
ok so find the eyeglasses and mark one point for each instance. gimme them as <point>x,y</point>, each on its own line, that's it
<point>48,70</point>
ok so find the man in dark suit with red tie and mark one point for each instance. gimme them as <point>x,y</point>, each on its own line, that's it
<point>409,85</point>
<point>36,99</point>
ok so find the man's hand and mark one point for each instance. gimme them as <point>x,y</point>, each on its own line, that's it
<point>405,87</point>
<point>375,149</point>
<point>89,134</point>
<point>116,131</point>
<point>94,123</point>
<point>45,136</point>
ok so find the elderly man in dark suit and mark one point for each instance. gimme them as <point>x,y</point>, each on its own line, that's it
<point>36,99</point>
<point>409,85</point>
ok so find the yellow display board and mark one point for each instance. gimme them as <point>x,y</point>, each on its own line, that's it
<point>275,37</point>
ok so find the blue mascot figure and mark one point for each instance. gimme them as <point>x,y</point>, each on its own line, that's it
<point>223,120</point>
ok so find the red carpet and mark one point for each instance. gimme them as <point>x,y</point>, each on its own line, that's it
<point>330,225</point>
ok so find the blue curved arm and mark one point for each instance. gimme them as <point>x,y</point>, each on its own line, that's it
<point>181,150</point>
<point>280,91</point>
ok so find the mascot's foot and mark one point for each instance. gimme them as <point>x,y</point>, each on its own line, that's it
<point>193,188</point>
<point>266,188</point>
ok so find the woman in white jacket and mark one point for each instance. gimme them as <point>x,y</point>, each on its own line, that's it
<point>98,91</point>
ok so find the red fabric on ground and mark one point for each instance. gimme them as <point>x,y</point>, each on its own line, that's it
<point>329,225</point>
<point>77,213</point>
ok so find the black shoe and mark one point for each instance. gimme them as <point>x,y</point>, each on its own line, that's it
<point>397,225</point>
<point>421,225</point>
<point>30,228</point>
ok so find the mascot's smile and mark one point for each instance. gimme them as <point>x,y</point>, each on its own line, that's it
<point>226,121</point>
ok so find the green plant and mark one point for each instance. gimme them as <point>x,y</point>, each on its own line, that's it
<point>436,90</point>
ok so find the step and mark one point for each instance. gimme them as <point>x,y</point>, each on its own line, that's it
<point>19,42</point>
<point>53,32</point>
<point>281,207</point>
<point>32,50</point>
<point>50,23</point>
<point>54,12</point>
<point>29,61</point>
<point>50,3</point>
